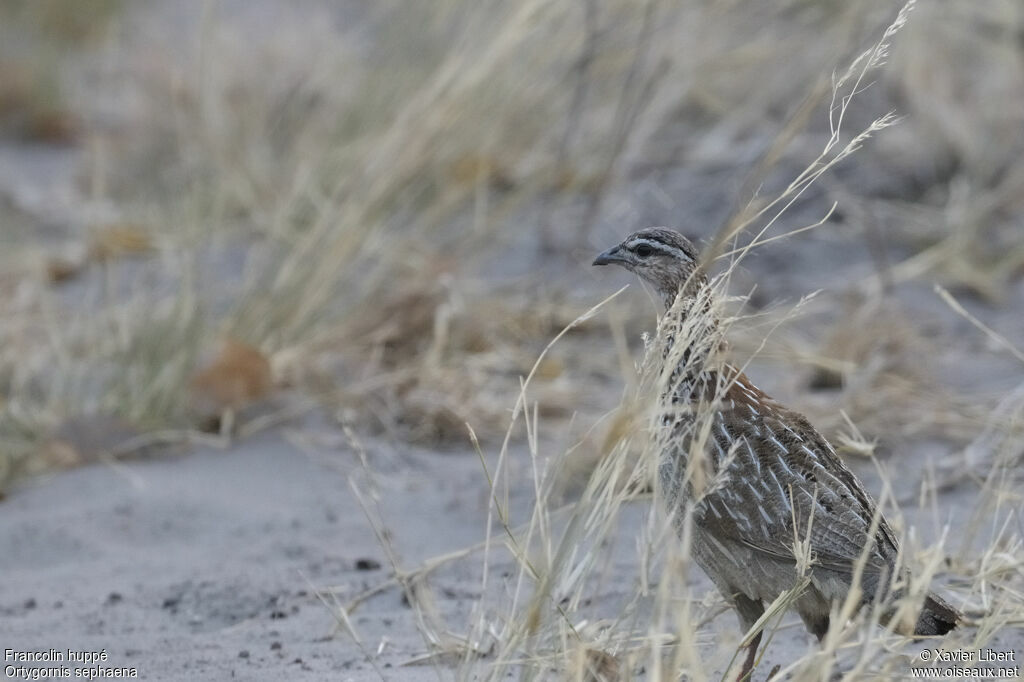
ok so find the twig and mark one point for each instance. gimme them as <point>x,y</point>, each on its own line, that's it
<point>991,333</point>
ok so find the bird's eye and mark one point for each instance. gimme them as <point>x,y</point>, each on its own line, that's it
<point>643,250</point>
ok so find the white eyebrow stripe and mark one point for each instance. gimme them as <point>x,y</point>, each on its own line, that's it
<point>660,246</point>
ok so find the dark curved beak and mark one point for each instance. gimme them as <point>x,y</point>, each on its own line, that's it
<point>609,257</point>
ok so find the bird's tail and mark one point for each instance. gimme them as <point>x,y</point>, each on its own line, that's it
<point>937,617</point>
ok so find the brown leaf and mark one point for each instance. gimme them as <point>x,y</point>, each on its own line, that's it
<point>118,240</point>
<point>598,666</point>
<point>240,375</point>
<point>62,269</point>
<point>53,126</point>
<point>60,454</point>
<point>470,169</point>
<point>82,439</point>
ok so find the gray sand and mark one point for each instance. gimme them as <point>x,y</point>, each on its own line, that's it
<point>208,565</point>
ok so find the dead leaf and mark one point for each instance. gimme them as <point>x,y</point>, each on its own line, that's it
<point>61,269</point>
<point>598,666</point>
<point>118,240</point>
<point>82,439</point>
<point>471,169</point>
<point>60,454</point>
<point>240,375</point>
<point>53,126</point>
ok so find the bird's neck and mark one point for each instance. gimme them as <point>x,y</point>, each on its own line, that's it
<point>693,340</point>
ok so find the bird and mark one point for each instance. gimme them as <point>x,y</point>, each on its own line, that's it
<point>771,477</point>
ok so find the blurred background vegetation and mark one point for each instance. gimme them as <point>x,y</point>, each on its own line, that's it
<point>383,211</point>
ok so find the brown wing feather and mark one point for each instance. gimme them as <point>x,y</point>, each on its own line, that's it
<point>784,473</point>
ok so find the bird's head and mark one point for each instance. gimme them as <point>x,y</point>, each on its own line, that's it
<point>661,256</point>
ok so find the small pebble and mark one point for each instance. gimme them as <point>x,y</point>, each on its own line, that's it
<point>367,564</point>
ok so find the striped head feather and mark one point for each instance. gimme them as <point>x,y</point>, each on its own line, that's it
<point>661,256</point>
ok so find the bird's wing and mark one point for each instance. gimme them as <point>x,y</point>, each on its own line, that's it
<point>784,484</point>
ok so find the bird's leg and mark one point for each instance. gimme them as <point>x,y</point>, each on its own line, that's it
<point>749,612</point>
<point>748,665</point>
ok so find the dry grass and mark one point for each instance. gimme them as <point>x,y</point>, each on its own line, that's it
<point>555,617</point>
<point>382,214</point>
<point>360,190</point>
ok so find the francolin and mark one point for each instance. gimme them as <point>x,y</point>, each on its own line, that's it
<point>772,487</point>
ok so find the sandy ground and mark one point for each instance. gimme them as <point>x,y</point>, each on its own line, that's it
<point>216,565</point>
<point>210,564</point>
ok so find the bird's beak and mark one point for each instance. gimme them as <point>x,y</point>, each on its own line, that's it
<point>610,256</point>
